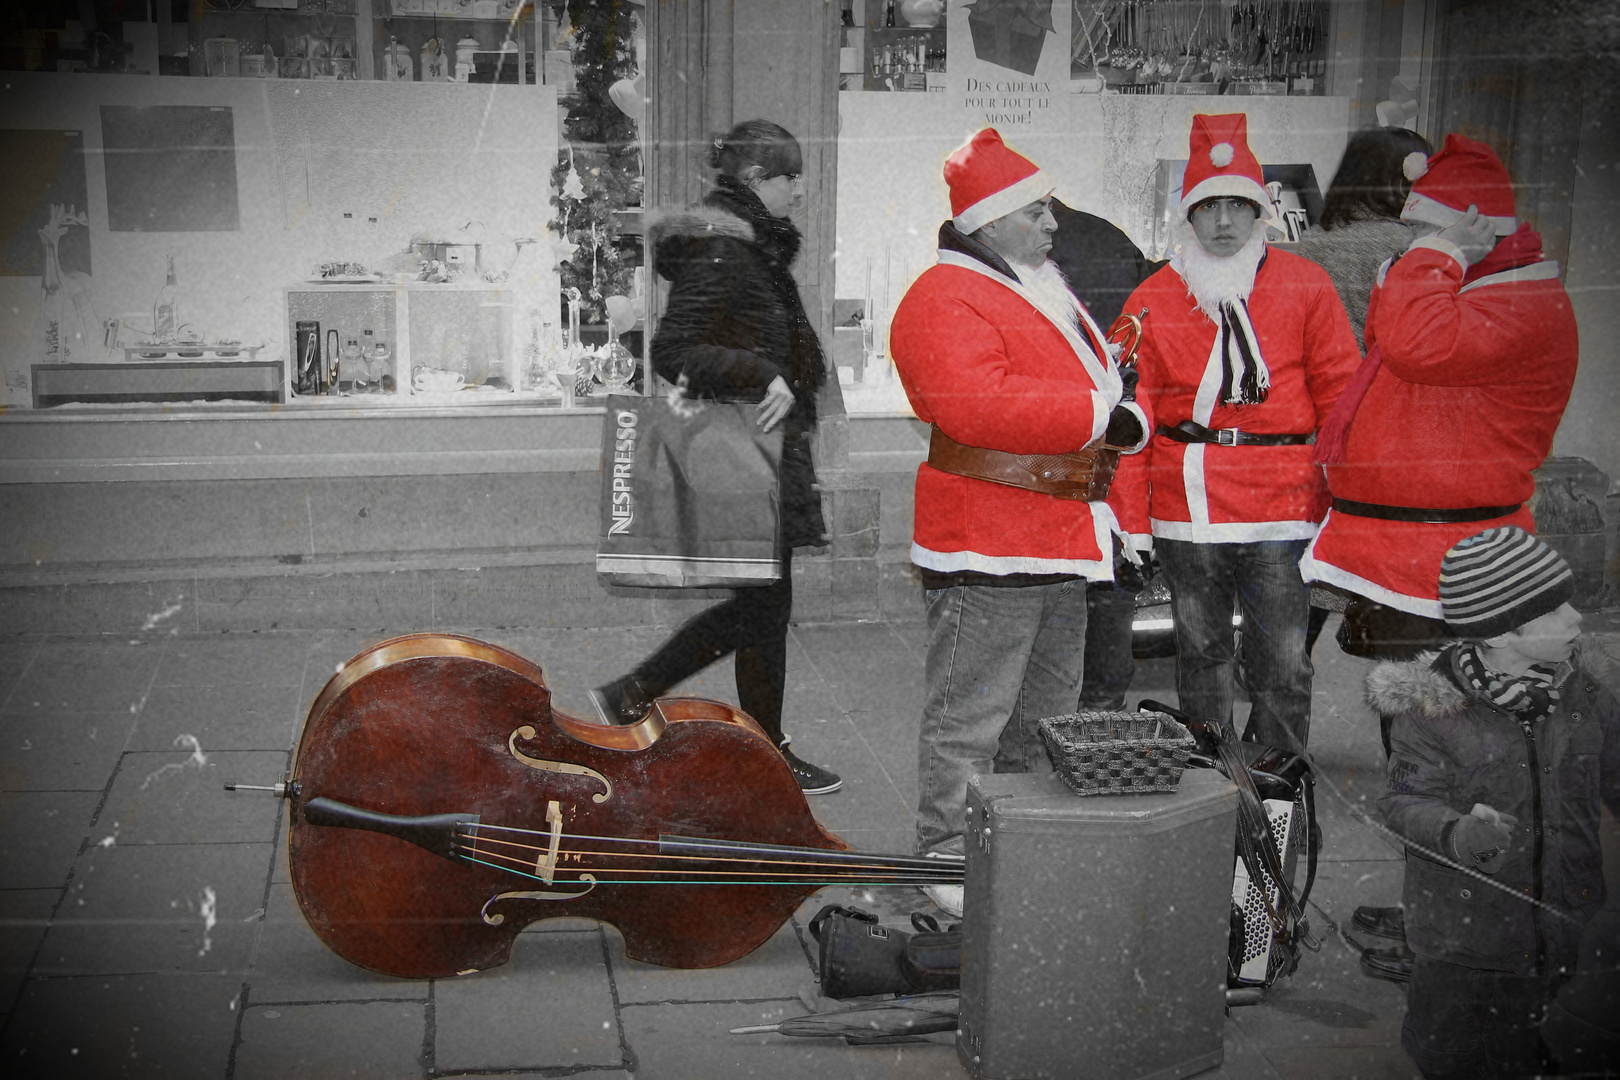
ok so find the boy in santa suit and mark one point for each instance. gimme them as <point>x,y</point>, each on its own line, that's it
<point>1471,352</point>
<point>1245,350</point>
<point>1016,379</point>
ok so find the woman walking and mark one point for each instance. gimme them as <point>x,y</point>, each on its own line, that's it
<point>735,330</point>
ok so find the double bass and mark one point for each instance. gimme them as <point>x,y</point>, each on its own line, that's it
<point>439,805</point>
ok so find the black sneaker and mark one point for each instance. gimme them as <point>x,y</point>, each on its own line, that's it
<point>813,779</point>
<point>1384,922</point>
<point>621,702</point>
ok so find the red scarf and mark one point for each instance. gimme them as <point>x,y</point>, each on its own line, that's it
<point>1518,249</point>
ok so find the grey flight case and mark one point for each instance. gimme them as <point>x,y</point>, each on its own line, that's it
<point>1095,932</point>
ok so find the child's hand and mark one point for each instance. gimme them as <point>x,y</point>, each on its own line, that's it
<point>1492,816</point>
<point>1483,837</point>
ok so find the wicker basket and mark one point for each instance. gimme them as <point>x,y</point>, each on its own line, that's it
<point>1117,753</point>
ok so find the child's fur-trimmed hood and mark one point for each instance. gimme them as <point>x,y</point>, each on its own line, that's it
<point>1396,687</point>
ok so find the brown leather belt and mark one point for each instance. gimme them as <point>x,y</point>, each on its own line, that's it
<point>1082,474</point>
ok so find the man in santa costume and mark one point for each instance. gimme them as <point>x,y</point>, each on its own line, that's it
<point>1245,351</point>
<point>1016,379</point>
<point>1471,352</point>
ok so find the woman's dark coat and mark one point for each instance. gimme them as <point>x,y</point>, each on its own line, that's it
<point>734,322</point>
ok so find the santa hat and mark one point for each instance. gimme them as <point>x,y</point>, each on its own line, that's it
<point>1464,173</point>
<point>989,181</point>
<point>1221,165</point>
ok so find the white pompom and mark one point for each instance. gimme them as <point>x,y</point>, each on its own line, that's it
<point>1415,165</point>
<point>1220,155</point>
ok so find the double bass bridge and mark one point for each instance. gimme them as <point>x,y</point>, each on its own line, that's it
<point>567,768</point>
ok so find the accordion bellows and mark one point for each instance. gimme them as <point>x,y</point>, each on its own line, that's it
<point>1117,753</point>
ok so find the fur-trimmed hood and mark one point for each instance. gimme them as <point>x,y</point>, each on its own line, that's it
<point>1424,685</point>
<point>1396,687</point>
<point>697,222</point>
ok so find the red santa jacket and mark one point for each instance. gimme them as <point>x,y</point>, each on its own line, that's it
<point>980,359</point>
<point>1473,384</point>
<point>1235,494</point>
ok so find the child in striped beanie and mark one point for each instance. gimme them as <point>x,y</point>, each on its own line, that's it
<point>1503,748</point>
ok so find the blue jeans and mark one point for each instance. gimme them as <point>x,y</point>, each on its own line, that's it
<point>1263,578</point>
<point>999,659</point>
<point>1110,667</point>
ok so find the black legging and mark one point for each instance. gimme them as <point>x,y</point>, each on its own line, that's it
<point>753,624</point>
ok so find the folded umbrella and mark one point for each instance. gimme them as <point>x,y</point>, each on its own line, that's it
<point>876,1022</point>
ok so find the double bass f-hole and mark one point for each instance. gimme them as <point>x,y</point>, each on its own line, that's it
<point>545,868</point>
<point>527,733</point>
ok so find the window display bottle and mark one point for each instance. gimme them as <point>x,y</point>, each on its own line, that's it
<point>351,369</point>
<point>165,309</point>
<point>381,378</point>
<point>365,375</point>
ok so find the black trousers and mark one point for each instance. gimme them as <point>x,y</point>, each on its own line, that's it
<point>1466,1024</point>
<point>752,624</point>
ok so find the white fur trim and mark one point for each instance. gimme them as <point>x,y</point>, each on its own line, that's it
<point>1383,271</point>
<point>949,562</point>
<point>1220,155</point>
<point>1312,569</point>
<point>1104,373</point>
<point>1225,184</point>
<point>1444,247</point>
<point>1414,165</point>
<point>1233,532</point>
<point>1100,410</point>
<point>1141,418</point>
<point>1420,207</point>
<point>1192,482</point>
<point>1032,188</point>
<point>1545,270</point>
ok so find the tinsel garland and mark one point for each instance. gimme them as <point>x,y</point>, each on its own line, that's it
<point>603,151</point>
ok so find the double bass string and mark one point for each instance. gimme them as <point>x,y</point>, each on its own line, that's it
<point>771,852</point>
<point>832,871</point>
<point>935,870</point>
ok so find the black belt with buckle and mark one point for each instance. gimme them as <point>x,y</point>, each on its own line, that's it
<point>1427,515</point>
<point>1189,432</point>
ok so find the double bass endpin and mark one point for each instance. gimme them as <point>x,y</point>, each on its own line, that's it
<point>279,790</point>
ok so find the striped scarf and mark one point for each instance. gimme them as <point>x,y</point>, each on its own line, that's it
<point>1530,697</point>
<point>1245,379</point>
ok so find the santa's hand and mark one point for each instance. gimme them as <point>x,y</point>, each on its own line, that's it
<point>1473,233</point>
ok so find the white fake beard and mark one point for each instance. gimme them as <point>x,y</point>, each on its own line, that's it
<point>1213,280</point>
<point>1051,290</point>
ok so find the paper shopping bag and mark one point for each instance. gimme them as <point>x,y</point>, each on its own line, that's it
<point>689,495</point>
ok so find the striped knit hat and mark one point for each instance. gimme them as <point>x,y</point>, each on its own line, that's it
<point>1498,580</point>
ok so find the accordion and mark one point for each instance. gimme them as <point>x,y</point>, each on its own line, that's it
<point>1267,920</point>
<point>1258,952</point>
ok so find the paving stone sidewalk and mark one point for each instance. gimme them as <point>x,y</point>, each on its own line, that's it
<point>148,926</point>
